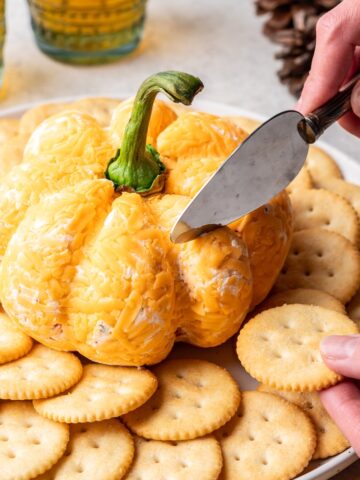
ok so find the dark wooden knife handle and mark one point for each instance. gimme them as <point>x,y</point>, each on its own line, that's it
<point>315,123</point>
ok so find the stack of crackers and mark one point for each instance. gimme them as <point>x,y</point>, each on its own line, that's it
<point>63,417</point>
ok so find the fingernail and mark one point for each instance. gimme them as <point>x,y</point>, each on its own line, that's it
<point>339,347</point>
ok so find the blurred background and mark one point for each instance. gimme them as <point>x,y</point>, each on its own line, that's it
<point>220,41</point>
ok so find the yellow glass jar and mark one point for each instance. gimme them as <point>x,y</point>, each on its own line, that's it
<point>87,31</point>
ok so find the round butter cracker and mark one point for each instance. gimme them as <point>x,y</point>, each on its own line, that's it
<point>321,260</point>
<point>268,439</point>
<point>103,392</point>
<point>194,398</point>
<point>304,296</point>
<point>13,343</point>
<point>280,347</point>
<point>353,308</point>
<point>42,373</point>
<point>349,191</point>
<point>102,450</point>
<point>301,182</point>
<point>311,210</point>
<point>321,165</point>
<point>188,460</point>
<point>330,440</point>
<point>29,443</point>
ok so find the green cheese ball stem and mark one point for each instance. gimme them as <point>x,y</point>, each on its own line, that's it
<point>136,166</point>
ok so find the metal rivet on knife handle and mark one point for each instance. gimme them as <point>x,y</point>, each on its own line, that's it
<point>315,123</point>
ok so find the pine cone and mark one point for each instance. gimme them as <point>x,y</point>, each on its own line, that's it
<point>291,24</point>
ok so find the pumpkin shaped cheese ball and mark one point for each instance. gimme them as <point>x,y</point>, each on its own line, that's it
<point>87,261</point>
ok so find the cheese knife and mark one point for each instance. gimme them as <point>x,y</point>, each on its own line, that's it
<point>262,166</point>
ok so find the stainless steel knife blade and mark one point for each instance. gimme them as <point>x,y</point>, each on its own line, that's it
<point>263,165</point>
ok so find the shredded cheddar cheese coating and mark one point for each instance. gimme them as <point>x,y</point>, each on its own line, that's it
<point>84,268</point>
<point>63,150</point>
<point>213,280</point>
<point>200,135</point>
<point>267,233</point>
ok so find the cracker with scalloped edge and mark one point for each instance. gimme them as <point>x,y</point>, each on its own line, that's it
<point>304,296</point>
<point>103,392</point>
<point>13,342</point>
<point>102,450</point>
<point>30,444</point>
<point>176,460</point>
<point>268,439</point>
<point>330,440</point>
<point>311,210</point>
<point>321,165</point>
<point>280,347</point>
<point>301,182</point>
<point>322,260</point>
<point>353,308</point>
<point>42,373</point>
<point>349,191</point>
<point>194,398</point>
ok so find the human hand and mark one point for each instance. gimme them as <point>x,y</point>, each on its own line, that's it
<point>336,60</point>
<point>342,401</point>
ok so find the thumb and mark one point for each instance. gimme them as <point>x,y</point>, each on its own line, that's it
<point>355,99</point>
<point>342,354</point>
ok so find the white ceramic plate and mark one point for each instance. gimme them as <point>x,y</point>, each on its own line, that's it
<point>225,354</point>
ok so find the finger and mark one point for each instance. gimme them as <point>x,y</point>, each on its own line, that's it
<point>337,34</point>
<point>343,404</point>
<point>355,65</point>
<point>341,353</point>
<point>355,99</point>
<point>351,123</point>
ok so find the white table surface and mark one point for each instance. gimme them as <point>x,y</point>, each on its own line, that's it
<point>218,40</point>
